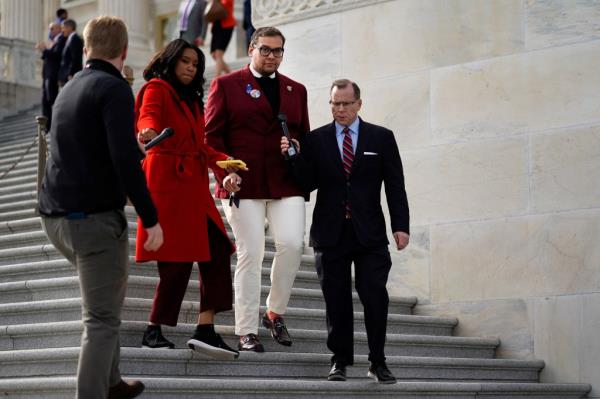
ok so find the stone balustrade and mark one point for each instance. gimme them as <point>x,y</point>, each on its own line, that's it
<point>275,12</point>
<point>20,75</point>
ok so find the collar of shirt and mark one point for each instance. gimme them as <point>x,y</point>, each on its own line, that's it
<point>258,75</point>
<point>102,65</point>
<point>339,135</point>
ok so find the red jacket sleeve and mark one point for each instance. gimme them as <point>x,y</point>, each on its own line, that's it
<point>152,107</point>
<point>216,123</point>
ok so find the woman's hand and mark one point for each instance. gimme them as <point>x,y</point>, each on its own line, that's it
<point>145,135</point>
<point>232,183</point>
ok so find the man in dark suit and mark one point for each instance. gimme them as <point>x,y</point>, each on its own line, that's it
<point>94,165</point>
<point>72,53</point>
<point>241,120</point>
<point>51,56</point>
<point>347,161</point>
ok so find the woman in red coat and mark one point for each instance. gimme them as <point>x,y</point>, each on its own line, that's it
<point>177,175</point>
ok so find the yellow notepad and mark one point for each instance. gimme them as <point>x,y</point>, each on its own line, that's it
<point>235,163</point>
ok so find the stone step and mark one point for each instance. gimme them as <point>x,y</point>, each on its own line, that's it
<point>23,172</point>
<point>137,309</point>
<point>17,188</point>
<point>143,287</point>
<point>20,211</point>
<point>19,156</point>
<point>65,334</point>
<point>263,387</point>
<point>33,246</point>
<point>9,180</point>
<point>310,319</point>
<point>280,365</point>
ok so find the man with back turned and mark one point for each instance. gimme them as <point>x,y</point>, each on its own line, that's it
<point>94,164</point>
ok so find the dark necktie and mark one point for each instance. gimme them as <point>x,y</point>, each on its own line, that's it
<point>347,159</point>
<point>348,156</point>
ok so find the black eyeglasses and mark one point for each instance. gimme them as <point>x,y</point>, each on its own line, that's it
<point>265,51</point>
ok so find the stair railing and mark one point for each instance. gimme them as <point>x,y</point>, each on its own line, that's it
<point>42,155</point>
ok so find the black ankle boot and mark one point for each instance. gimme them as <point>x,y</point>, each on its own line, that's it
<point>154,339</point>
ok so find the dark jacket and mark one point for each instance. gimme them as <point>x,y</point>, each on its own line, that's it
<point>52,57</point>
<point>376,161</point>
<point>72,56</point>
<point>94,159</point>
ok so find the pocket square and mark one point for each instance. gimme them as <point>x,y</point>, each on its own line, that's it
<point>370,153</point>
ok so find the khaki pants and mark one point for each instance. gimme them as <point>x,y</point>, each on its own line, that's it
<point>98,247</point>
<point>286,218</point>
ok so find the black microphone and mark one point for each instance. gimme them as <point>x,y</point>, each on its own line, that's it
<point>292,151</point>
<point>167,132</point>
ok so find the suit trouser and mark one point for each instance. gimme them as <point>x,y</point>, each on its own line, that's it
<point>49,94</point>
<point>371,268</point>
<point>98,247</point>
<point>286,219</point>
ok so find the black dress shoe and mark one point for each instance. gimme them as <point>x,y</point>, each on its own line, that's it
<point>126,389</point>
<point>337,372</point>
<point>154,339</point>
<point>380,373</point>
<point>250,342</point>
<point>278,329</point>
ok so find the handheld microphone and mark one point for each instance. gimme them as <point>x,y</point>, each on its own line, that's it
<point>167,132</point>
<point>292,151</point>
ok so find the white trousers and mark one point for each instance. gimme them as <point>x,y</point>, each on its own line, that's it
<point>286,219</point>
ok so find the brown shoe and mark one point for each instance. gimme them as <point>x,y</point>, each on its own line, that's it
<point>126,389</point>
<point>250,342</point>
<point>278,330</point>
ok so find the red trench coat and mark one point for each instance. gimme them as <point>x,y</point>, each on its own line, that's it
<point>177,175</point>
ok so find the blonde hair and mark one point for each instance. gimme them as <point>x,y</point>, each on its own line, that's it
<point>105,37</point>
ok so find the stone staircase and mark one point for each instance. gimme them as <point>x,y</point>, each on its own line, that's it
<point>41,328</point>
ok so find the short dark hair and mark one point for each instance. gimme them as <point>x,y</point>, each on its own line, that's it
<point>70,23</point>
<point>60,12</point>
<point>267,31</point>
<point>162,66</point>
<point>341,83</point>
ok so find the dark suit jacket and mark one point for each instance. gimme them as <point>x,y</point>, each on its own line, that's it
<point>72,56</point>
<point>376,161</point>
<point>245,128</point>
<point>52,57</point>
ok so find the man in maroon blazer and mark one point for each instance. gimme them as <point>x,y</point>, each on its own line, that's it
<point>242,120</point>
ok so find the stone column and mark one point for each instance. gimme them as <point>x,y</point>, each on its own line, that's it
<point>136,14</point>
<point>23,19</point>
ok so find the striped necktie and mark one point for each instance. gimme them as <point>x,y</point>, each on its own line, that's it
<point>347,159</point>
<point>348,152</point>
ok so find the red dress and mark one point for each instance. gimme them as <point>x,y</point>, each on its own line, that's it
<point>177,175</point>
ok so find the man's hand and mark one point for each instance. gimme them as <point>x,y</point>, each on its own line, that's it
<point>401,239</point>
<point>285,144</point>
<point>155,238</point>
<point>232,183</point>
<point>40,46</point>
<point>199,41</point>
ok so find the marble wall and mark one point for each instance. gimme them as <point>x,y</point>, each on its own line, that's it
<point>495,109</point>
